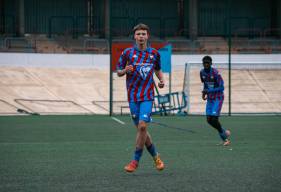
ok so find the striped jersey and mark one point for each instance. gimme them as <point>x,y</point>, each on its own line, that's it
<point>140,86</point>
<point>213,82</point>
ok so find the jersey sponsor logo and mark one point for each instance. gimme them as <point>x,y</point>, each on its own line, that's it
<point>144,71</point>
<point>151,56</point>
<point>134,56</point>
<point>210,84</point>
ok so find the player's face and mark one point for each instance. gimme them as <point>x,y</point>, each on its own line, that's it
<point>141,37</point>
<point>206,65</point>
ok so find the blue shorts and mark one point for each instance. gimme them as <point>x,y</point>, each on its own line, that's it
<point>141,111</point>
<point>213,107</point>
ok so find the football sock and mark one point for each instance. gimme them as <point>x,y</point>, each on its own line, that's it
<point>151,149</point>
<point>223,135</point>
<point>220,129</point>
<point>138,154</point>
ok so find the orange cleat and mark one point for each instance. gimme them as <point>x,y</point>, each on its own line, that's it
<point>158,163</point>
<point>132,166</point>
<point>227,141</point>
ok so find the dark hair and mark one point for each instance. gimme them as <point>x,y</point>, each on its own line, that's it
<point>141,26</point>
<point>207,59</point>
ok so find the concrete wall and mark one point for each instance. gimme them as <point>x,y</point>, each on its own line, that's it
<point>102,61</point>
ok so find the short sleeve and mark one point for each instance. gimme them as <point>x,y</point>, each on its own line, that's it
<point>157,64</point>
<point>123,59</point>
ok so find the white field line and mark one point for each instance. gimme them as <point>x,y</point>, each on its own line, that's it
<point>118,120</point>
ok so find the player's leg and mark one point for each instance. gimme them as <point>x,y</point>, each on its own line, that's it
<point>141,134</point>
<point>214,122</point>
<point>214,109</point>
<point>140,118</point>
<point>224,134</point>
<point>145,116</point>
<point>135,111</point>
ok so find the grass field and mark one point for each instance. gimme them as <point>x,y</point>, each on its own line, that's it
<point>88,153</point>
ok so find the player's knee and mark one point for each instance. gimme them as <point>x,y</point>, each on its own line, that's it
<point>142,126</point>
<point>215,120</point>
<point>212,120</point>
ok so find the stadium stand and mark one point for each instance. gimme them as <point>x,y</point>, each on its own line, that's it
<point>46,45</point>
<point>86,26</point>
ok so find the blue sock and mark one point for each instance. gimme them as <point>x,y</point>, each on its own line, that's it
<point>151,149</point>
<point>138,154</point>
<point>223,135</point>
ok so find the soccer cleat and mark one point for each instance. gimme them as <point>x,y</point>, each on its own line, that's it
<point>158,163</point>
<point>226,142</point>
<point>132,166</point>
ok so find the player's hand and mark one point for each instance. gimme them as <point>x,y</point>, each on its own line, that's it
<point>129,69</point>
<point>204,94</point>
<point>161,84</point>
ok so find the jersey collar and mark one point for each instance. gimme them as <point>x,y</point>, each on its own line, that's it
<point>208,71</point>
<point>136,47</point>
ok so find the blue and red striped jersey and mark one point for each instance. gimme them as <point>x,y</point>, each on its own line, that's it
<point>213,82</point>
<point>140,86</point>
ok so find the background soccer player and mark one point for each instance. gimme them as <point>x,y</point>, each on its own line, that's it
<point>139,63</point>
<point>213,92</point>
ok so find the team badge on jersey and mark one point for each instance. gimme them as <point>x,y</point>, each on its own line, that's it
<point>144,69</point>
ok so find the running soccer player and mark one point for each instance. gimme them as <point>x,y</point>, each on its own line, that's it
<point>213,93</point>
<point>139,63</point>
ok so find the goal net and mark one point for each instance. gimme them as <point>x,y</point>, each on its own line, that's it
<point>249,87</point>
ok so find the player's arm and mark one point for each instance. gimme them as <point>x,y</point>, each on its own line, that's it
<point>158,71</point>
<point>127,69</point>
<point>204,92</point>
<point>205,88</point>
<point>160,76</point>
<point>123,67</point>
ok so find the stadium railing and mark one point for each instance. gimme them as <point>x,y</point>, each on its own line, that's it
<point>170,103</point>
<point>19,44</point>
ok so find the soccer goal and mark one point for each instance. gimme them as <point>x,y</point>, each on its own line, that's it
<point>249,87</point>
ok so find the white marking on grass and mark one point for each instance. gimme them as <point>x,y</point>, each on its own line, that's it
<point>118,120</point>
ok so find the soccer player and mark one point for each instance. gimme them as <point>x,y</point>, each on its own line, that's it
<point>213,93</point>
<point>139,63</point>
